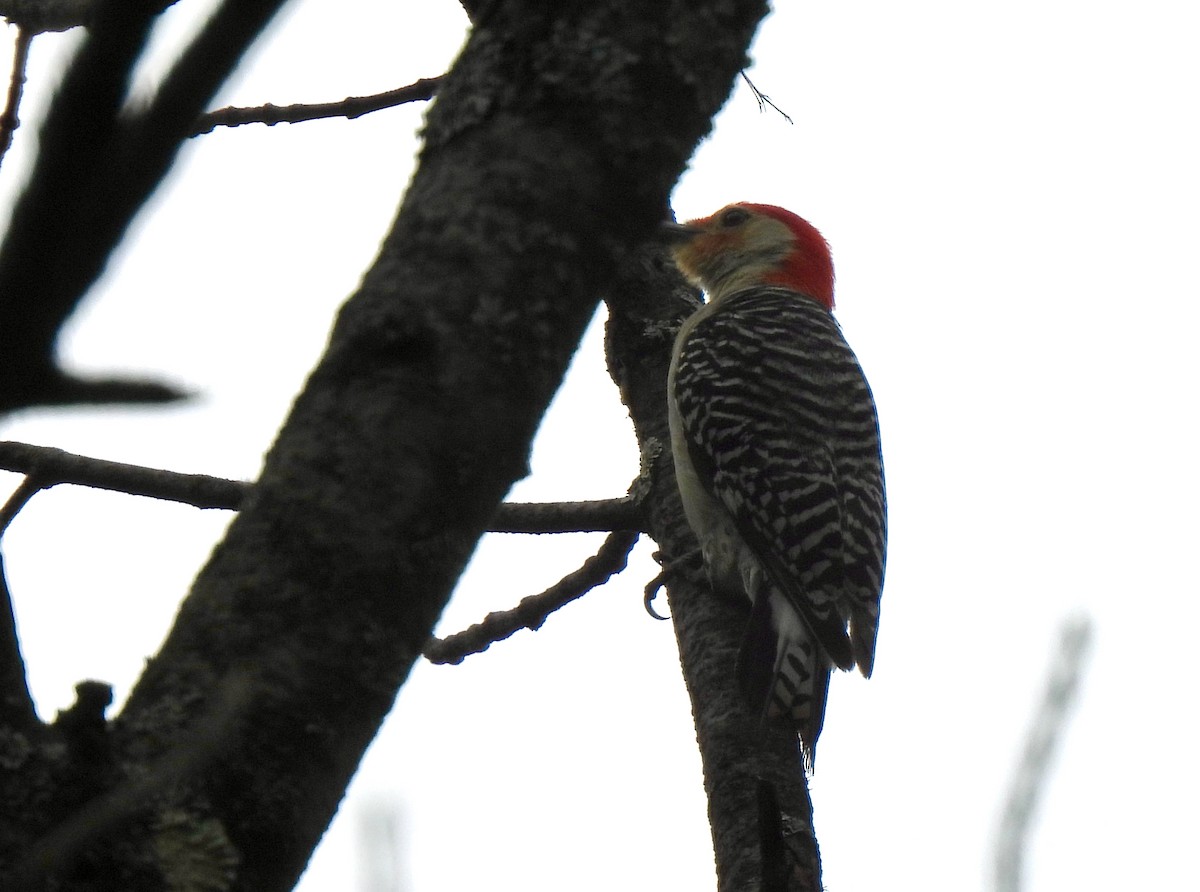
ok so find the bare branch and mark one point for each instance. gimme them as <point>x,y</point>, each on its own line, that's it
<point>603,515</point>
<point>1049,725</point>
<point>54,466</point>
<point>350,107</point>
<point>533,611</point>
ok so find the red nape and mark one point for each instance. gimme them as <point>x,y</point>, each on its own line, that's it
<point>809,268</point>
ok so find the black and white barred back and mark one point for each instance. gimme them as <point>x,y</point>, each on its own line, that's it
<point>781,426</point>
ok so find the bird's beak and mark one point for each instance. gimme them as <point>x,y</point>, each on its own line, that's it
<point>670,233</point>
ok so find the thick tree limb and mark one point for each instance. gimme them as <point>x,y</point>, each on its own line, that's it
<point>741,758</point>
<point>549,155</point>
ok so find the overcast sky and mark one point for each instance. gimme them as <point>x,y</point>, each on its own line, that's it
<point>1010,192</point>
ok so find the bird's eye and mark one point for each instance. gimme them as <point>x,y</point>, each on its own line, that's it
<point>734,217</point>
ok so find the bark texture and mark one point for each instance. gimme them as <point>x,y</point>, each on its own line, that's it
<point>550,153</point>
<point>759,806</point>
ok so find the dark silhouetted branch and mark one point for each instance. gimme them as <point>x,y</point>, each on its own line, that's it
<point>350,107</point>
<point>53,466</point>
<point>597,516</point>
<point>531,612</point>
<point>98,162</point>
<point>43,256</point>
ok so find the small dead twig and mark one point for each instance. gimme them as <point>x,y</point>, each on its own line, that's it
<point>764,100</point>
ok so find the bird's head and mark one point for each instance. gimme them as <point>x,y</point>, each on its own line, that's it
<point>743,245</point>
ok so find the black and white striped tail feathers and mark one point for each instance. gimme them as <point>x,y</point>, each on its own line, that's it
<point>782,670</point>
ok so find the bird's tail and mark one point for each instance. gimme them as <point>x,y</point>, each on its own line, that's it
<point>783,670</point>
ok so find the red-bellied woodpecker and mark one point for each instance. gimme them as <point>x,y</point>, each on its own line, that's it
<point>776,446</point>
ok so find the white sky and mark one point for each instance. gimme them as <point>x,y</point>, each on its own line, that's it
<point>1010,192</point>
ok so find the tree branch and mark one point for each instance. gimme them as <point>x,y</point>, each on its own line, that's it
<point>534,178</point>
<point>743,760</point>
<point>350,107</point>
<point>53,466</point>
<point>98,163</point>
<point>46,238</point>
<point>549,154</point>
<point>603,515</point>
<point>532,611</point>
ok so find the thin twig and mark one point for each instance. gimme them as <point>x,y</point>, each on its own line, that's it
<point>764,100</point>
<point>1049,724</point>
<point>532,611</point>
<point>9,119</point>
<point>350,107</point>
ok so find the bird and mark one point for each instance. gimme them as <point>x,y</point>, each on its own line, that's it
<point>775,440</point>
